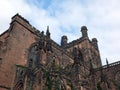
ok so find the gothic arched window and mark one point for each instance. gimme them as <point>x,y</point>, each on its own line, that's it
<point>19,85</point>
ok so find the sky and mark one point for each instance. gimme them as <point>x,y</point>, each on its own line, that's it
<point>65,17</point>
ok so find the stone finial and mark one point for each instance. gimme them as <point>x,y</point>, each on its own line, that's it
<point>47,32</point>
<point>107,61</point>
<point>84,31</point>
<point>64,41</point>
<point>94,42</point>
<point>42,33</point>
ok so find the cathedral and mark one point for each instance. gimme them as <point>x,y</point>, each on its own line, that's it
<point>31,60</point>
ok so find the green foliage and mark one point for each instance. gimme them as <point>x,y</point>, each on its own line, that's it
<point>99,87</point>
<point>52,81</point>
<point>117,86</point>
<point>49,82</point>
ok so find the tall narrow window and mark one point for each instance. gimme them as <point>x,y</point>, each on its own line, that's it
<point>0,61</point>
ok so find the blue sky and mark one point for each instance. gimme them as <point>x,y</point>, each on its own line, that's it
<point>65,17</point>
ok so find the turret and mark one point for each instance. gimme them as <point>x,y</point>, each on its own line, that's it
<point>64,41</point>
<point>84,31</point>
<point>94,42</point>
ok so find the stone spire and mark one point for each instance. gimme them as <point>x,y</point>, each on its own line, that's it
<point>107,62</point>
<point>47,32</point>
<point>84,31</point>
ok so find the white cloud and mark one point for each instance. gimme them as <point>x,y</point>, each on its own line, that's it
<point>8,8</point>
<point>67,16</point>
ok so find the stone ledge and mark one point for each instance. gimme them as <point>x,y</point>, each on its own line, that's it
<point>4,87</point>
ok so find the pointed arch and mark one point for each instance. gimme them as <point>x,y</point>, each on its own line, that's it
<point>19,85</point>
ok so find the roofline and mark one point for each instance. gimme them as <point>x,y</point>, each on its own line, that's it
<point>75,42</point>
<point>108,66</point>
<point>4,32</point>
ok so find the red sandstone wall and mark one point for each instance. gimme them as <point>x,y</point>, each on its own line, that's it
<point>88,51</point>
<point>110,72</point>
<point>17,44</point>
